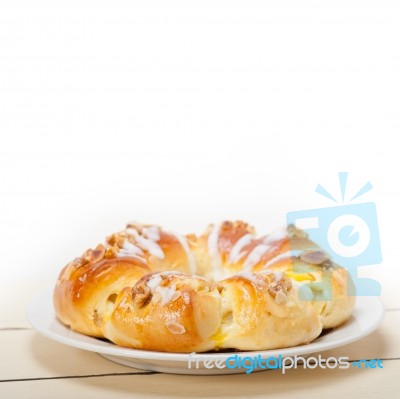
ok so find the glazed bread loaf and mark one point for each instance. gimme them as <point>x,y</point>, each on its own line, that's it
<point>149,288</point>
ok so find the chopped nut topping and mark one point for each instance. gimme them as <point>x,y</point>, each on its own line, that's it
<point>175,328</point>
<point>293,231</point>
<point>79,262</point>
<point>111,252</point>
<point>226,225</point>
<point>328,264</point>
<point>116,240</point>
<point>97,319</point>
<point>141,294</point>
<point>283,285</point>
<point>280,297</point>
<point>315,257</point>
<point>97,254</point>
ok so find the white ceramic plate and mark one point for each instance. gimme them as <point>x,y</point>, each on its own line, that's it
<point>366,318</point>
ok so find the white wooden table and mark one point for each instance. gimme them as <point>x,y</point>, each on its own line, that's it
<point>33,366</point>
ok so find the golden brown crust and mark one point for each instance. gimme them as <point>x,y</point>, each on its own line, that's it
<point>184,323</point>
<point>85,290</point>
<point>264,312</point>
<point>142,289</point>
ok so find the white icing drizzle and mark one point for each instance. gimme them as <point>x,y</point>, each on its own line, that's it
<point>275,236</point>
<point>191,259</point>
<point>167,294</point>
<point>130,230</point>
<point>186,298</point>
<point>248,276</point>
<point>259,251</point>
<point>175,272</point>
<point>214,251</point>
<point>220,275</point>
<point>277,275</point>
<point>152,232</point>
<point>131,250</point>
<point>123,254</point>
<point>235,255</point>
<point>255,255</point>
<point>154,283</point>
<point>170,272</point>
<point>283,255</point>
<point>148,243</point>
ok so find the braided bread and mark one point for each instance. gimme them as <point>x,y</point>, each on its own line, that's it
<point>153,289</point>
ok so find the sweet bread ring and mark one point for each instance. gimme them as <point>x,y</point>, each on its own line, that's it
<point>152,289</point>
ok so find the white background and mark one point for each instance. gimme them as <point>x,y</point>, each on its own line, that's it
<point>187,112</point>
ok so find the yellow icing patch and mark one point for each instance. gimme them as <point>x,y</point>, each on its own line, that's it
<point>218,338</point>
<point>300,276</point>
